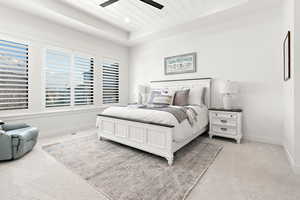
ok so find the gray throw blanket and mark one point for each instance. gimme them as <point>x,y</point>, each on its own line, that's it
<point>180,113</point>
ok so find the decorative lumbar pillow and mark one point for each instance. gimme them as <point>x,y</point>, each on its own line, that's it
<point>160,92</point>
<point>163,99</point>
<point>181,97</point>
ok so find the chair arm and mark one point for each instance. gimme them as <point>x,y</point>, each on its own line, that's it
<point>10,127</point>
<point>24,133</point>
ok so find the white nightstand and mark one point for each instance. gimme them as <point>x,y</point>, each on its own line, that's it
<point>226,123</point>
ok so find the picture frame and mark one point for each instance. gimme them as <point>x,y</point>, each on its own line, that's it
<point>181,64</point>
<point>287,57</point>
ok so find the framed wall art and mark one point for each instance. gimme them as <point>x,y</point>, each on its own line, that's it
<point>287,57</point>
<point>181,64</point>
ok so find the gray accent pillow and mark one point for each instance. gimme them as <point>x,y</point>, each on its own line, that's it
<point>152,95</point>
<point>181,98</point>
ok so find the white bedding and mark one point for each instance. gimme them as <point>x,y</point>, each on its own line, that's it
<point>182,130</point>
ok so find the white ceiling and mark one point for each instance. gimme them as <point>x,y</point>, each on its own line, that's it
<point>146,22</point>
<point>145,18</point>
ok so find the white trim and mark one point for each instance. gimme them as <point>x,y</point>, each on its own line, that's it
<point>295,168</point>
<point>262,139</point>
<point>50,113</point>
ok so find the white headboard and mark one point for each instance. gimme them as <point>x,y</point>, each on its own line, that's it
<point>187,83</point>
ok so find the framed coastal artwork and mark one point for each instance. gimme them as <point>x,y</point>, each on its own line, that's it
<point>181,64</point>
<point>287,57</point>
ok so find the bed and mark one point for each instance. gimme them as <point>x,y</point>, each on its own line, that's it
<point>156,131</point>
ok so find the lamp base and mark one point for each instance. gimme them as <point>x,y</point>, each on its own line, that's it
<point>227,101</point>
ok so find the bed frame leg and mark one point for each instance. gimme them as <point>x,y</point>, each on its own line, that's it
<point>170,160</point>
<point>100,138</point>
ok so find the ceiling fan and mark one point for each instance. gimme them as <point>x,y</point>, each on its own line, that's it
<point>149,2</point>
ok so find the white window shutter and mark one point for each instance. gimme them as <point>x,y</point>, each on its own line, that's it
<point>110,87</point>
<point>83,80</point>
<point>13,75</point>
<point>58,86</point>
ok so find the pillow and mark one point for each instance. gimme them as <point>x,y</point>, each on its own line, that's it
<point>181,98</point>
<point>158,92</point>
<point>162,99</point>
<point>197,95</point>
<point>153,93</point>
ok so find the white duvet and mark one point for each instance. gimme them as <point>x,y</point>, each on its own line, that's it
<point>182,130</point>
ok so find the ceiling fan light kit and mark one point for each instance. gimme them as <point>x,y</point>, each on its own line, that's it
<point>149,2</point>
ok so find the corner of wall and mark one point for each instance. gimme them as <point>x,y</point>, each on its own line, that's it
<point>294,166</point>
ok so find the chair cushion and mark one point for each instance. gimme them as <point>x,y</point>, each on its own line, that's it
<point>10,127</point>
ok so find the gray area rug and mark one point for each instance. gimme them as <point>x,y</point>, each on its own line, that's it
<point>124,173</point>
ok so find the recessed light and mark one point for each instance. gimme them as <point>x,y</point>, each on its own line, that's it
<point>127,19</point>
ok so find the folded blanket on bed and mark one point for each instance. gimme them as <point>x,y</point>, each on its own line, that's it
<point>180,113</point>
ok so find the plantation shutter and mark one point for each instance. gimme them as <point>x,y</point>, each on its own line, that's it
<point>13,75</point>
<point>110,76</point>
<point>58,89</point>
<point>83,80</point>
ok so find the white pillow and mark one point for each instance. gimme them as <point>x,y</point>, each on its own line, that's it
<point>197,95</point>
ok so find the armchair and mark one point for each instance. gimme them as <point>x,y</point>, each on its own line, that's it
<point>16,140</point>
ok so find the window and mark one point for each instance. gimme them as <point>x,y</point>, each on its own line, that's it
<point>58,89</point>
<point>110,75</point>
<point>83,78</point>
<point>13,75</point>
<point>69,79</point>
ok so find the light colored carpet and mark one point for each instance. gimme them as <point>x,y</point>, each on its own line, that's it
<point>124,173</point>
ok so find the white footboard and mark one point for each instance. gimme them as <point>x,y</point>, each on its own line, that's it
<point>151,138</point>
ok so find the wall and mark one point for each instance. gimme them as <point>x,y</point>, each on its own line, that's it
<point>247,50</point>
<point>291,87</point>
<point>289,96</point>
<point>297,84</point>
<point>40,34</point>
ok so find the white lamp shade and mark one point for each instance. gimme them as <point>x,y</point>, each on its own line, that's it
<point>229,87</point>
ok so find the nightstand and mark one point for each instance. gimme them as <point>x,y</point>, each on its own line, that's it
<point>226,123</point>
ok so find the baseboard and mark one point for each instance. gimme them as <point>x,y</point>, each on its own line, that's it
<point>263,140</point>
<point>295,168</point>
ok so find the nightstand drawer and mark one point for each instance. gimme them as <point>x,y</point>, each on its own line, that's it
<point>224,121</point>
<point>224,130</point>
<point>224,115</point>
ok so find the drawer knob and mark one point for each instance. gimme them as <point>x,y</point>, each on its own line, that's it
<point>224,129</point>
<point>224,121</point>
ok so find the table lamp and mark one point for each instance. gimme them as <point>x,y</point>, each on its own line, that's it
<point>229,89</point>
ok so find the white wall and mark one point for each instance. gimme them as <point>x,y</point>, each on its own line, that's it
<point>39,34</point>
<point>289,96</point>
<point>297,84</point>
<point>247,50</point>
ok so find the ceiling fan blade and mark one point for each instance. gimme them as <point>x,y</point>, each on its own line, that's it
<point>153,3</point>
<point>107,3</point>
